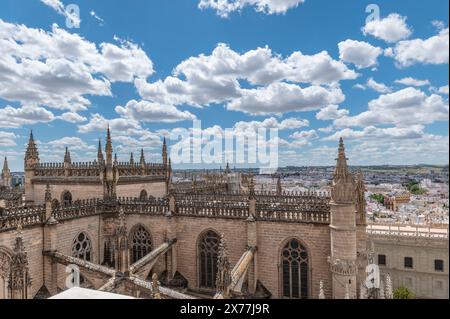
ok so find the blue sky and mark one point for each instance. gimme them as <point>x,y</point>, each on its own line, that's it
<point>314,69</point>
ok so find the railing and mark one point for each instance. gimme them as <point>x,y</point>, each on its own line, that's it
<point>79,209</point>
<point>12,218</point>
<point>213,211</point>
<point>405,231</point>
<point>293,216</point>
<point>236,206</point>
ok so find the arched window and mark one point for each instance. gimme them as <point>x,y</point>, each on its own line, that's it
<point>82,247</point>
<point>294,270</point>
<point>143,195</point>
<point>208,253</point>
<point>108,254</point>
<point>66,199</point>
<point>142,244</point>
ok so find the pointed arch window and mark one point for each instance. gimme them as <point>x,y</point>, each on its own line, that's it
<point>294,270</point>
<point>141,244</point>
<point>82,247</point>
<point>208,254</point>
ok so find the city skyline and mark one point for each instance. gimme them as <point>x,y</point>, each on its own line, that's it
<point>147,69</point>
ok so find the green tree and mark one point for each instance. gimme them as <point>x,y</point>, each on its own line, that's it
<point>378,197</point>
<point>403,293</point>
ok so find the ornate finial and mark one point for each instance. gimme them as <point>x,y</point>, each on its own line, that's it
<point>5,165</point>
<point>48,193</point>
<point>131,159</point>
<point>19,228</point>
<point>389,294</point>
<point>155,287</point>
<point>321,291</point>
<point>100,157</point>
<point>279,188</point>
<point>142,159</point>
<point>108,147</point>
<point>31,154</point>
<point>67,158</point>
<point>252,187</point>
<point>223,279</point>
<point>343,187</point>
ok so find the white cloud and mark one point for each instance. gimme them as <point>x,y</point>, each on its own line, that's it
<point>98,123</point>
<point>205,80</point>
<point>360,53</point>
<point>11,117</point>
<point>72,117</point>
<point>311,134</point>
<point>153,112</point>
<point>59,7</point>
<point>443,89</point>
<point>225,7</point>
<point>279,98</point>
<point>409,81</point>
<point>376,86</point>
<point>390,29</point>
<point>372,132</point>
<point>59,69</point>
<point>7,139</point>
<point>406,107</point>
<point>287,124</point>
<point>433,50</point>
<point>331,112</point>
<point>73,143</point>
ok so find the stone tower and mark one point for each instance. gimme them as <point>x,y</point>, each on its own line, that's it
<point>343,230</point>
<point>31,161</point>
<point>6,175</point>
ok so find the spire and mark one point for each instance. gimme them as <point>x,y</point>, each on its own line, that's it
<point>142,159</point>
<point>341,167</point>
<point>131,159</point>
<point>164,151</point>
<point>67,158</point>
<point>115,158</point>
<point>19,275</point>
<point>108,148</point>
<point>227,169</point>
<point>5,165</point>
<point>279,188</point>
<point>31,154</point>
<point>343,189</point>
<point>100,157</point>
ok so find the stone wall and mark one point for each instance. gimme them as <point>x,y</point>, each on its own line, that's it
<point>422,279</point>
<point>32,238</point>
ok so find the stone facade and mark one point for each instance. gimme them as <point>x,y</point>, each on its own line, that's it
<point>425,248</point>
<point>125,223</point>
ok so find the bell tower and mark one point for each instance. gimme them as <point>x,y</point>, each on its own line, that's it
<point>343,230</point>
